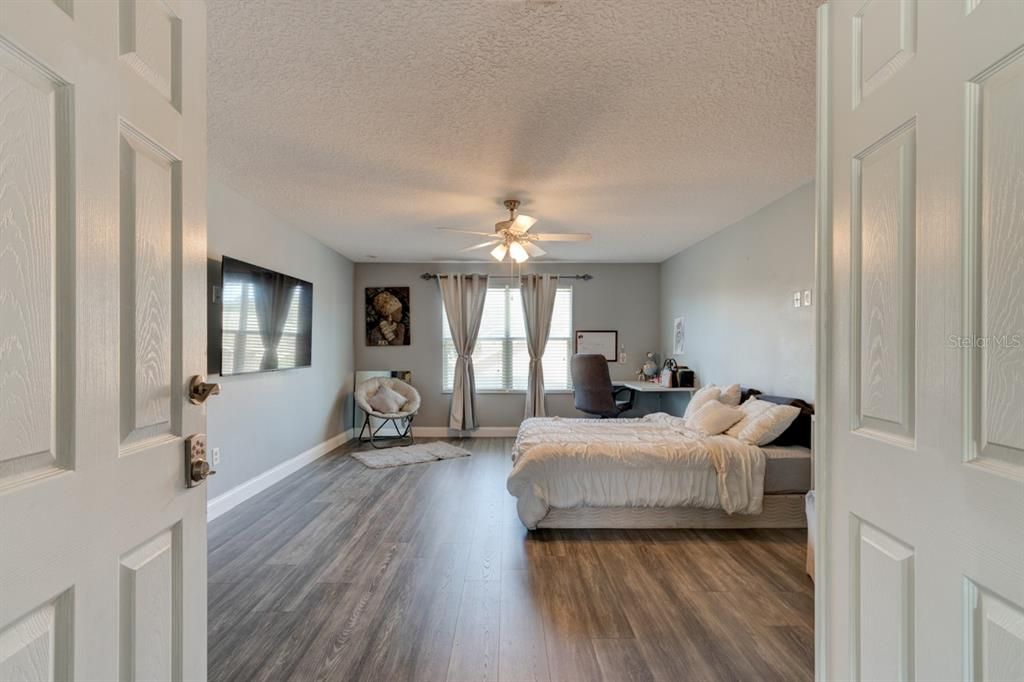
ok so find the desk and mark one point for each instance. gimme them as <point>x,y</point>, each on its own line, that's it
<point>660,394</point>
<point>650,387</point>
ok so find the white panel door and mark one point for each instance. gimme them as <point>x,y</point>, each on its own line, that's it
<point>102,323</point>
<point>922,340</point>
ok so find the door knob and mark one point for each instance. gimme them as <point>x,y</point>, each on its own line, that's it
<point>200,471</point>
<point>199,390</point>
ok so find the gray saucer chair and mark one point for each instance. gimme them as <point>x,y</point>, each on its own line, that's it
<point>401,420</point>
<point>593,390</point>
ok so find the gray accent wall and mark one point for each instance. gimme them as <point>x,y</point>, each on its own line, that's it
<point>735,290</point>
<point>621,296</point>
<point>261,420</point>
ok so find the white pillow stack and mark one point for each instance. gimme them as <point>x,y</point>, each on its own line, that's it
<point>714,418</point>
<point>731,395</point>
<point>752,409</point>
<point>728,395</point>
<point>387,400</point>
<point>698,399</point>
<point>763,421</point>
<point>770,425</point>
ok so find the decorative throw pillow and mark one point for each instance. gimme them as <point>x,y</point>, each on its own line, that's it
<point>752,409</point>
<point>387,400</point>
<point>714,418</point>
<point>730,395</point>
<point>769,425</point>
<point>698,399</point>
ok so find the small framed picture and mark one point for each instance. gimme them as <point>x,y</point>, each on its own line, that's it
<point>387,316</point>
<point>679,336</point>
<point>590,342</point>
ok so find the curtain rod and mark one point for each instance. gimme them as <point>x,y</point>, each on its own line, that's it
<point>586,277</point>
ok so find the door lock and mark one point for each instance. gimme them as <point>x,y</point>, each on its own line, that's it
<point>199,390</point>
<point>197,469</point>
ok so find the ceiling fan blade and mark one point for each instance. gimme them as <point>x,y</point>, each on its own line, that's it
<point>479,234</point>
<point>563,237</point>
<point>523,223</point>
<point>480,246</point>
<point>533,249</point>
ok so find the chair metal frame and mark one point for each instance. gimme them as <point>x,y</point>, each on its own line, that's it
<point>404,431</point>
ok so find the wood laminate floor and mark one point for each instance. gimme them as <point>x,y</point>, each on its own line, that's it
<point>424,572</point>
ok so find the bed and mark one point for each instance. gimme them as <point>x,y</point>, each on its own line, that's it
<point>654,472</point>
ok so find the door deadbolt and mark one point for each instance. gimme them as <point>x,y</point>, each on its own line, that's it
<point>197,469</point>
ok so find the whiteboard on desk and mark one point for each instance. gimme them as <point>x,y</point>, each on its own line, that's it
<point>590,342</point>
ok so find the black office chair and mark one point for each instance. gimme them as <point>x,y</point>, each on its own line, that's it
<point>593,390</point>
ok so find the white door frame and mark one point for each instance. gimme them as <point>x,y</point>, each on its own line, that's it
<point>822,348</point>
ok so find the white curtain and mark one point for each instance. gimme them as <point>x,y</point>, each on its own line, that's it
<point>464,297</point>
<point>538,294</point>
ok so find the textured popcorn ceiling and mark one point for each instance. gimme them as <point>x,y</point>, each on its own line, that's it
<point>650,123</point>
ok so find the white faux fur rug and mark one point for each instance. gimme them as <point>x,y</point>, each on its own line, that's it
<point>409,454</point>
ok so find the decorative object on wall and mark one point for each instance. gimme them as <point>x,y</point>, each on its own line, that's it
<point>387,316</point>
<point>606,343</point>
<point>679,336</point>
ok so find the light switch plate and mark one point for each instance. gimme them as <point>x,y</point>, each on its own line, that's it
<point>796,299</point>
<point>807,297</point>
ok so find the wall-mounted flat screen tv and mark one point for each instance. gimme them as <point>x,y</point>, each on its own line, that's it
<point>266,319</point>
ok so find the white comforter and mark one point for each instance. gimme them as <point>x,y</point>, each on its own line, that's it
<point>650,462</point>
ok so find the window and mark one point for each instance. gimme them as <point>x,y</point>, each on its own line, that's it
<point>500,360</point>
<point>242,342</point>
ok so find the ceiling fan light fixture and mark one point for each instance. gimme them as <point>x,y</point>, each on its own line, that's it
<point>513,237</point>
<point>517,252</point>
<point>523,223</point>
<point>534,250</point>
<point>499,252</point>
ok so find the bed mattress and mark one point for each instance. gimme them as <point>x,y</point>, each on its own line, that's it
<point>655,461</point>
<point>787,469</point>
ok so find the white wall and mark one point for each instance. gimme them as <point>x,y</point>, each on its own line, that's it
<point>261,420</point>
<point>621,296</point>
<point>735,290</point>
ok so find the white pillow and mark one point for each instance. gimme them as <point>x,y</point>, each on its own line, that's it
<point>698,399</point>
<point>752,409</point>
<point>769,425</point>
<point>387,400</point>
<point>731,395</point>
<point>714,418</point>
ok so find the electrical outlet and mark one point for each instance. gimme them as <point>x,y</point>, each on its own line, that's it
<point>622,358</point>
<point>796,299</point>
<point>807,297</point>
<point>215,456</point>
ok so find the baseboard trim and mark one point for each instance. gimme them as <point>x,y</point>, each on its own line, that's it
<point>240,493</point>
<point>482,432</point>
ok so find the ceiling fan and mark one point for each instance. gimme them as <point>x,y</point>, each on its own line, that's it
<point>513,238</point>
